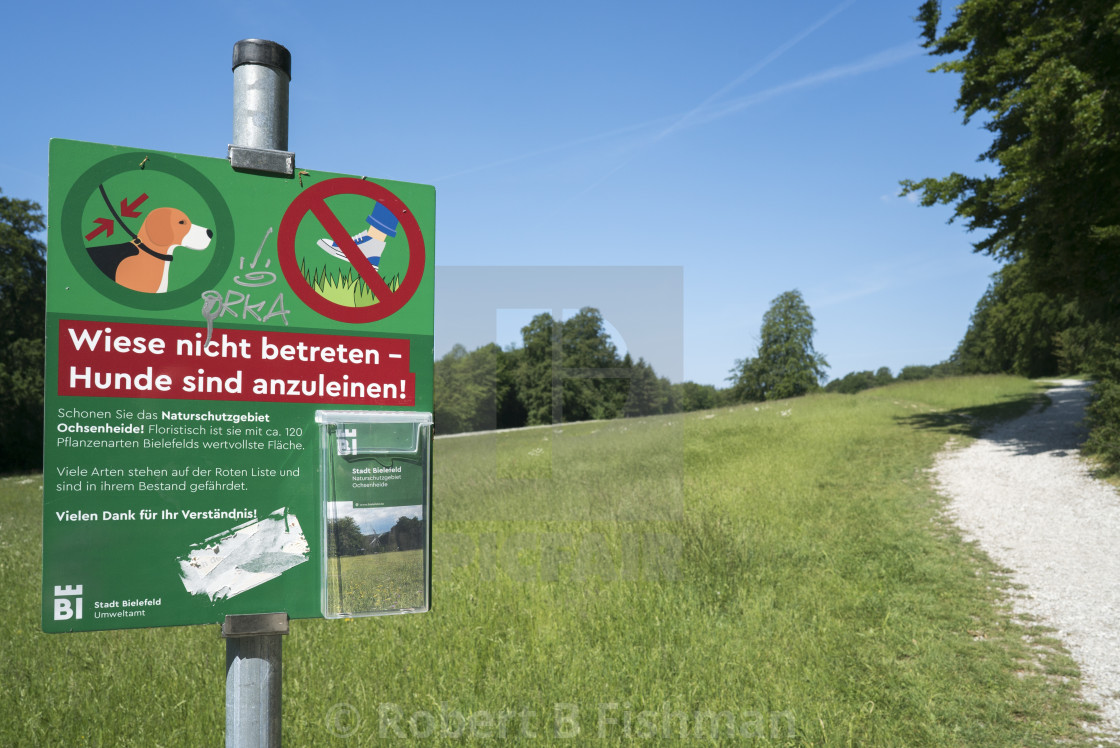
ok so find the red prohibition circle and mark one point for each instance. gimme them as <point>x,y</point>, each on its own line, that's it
<point>313,200</point>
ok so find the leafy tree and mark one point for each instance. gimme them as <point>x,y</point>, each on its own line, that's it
<point>344,538</point>
<point>914,373</point>
<point>747,382</point>
<point>1016,329</point>
<point>786,364</point>
<point>691,396</point>
<point>852,382</point>
<point>561,374</point>
<point>1104,412</point>
<point>646,395</point>
<point>666,396</point>
<point>1045,76</point>
<point>406,535</point>
<point>455,395</point>
<point>1082,347</point>
<point>466,388</point>
<point>537,381</point>
<point>510,409</point>
<point>565,371</point>
<point>589,391</point>
<point>857,381</point>
<point>22,307</point>
<point>477,391</point>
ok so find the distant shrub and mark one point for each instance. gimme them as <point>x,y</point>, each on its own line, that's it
<point>913,373</point>
<point>691,396</point>
<point>852,382</point>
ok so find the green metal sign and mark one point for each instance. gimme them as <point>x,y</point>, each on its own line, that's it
<point>197,318</point>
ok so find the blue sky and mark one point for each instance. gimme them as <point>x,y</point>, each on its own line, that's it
<point>752,147</point>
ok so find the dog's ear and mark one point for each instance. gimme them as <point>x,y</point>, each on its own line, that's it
<point>158,226</point>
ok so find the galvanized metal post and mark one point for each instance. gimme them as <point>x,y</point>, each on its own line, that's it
<point>262,71</point>
<point>254,675</point>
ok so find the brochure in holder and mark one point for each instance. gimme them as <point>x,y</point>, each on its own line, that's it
<point>376,497</point>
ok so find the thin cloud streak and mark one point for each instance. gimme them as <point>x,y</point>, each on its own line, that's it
<point>680,122</point>
<point>698,116</point>
<point>878,61</point>
<point>750,72</point>
<point>882,277</point>
<point>553,148</point>
<point>886,58</point>
<point>691,118</point>
<point>868,289</point>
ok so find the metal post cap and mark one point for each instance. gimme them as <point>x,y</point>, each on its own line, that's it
<point>263,52</point>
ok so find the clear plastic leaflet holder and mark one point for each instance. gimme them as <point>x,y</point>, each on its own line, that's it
<point>376,499</point>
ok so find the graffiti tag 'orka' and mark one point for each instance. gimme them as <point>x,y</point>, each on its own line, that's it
<point>215,305</point>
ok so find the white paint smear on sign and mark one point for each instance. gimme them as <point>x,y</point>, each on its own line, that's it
<point>239,559</point>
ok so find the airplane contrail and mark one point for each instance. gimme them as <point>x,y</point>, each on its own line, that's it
<point>674,123</point>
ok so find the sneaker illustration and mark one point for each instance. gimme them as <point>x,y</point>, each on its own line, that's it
<point>371,242</point>
<point>331,247</point>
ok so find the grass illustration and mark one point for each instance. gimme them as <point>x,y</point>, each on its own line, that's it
<point>345,289</point>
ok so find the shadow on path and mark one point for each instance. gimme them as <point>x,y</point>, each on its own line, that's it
<point>1022,424</point>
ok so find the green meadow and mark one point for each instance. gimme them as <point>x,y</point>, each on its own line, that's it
<point>379,581</point>
<point>772,574</point>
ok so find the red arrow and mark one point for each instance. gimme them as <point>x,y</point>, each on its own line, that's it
<point>129,210</point>
<point>103,224</point>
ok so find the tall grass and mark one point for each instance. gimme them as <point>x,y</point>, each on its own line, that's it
<point>777,574</point>
<point>376,582</point>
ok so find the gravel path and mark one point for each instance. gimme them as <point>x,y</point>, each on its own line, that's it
<point>1025,495</point>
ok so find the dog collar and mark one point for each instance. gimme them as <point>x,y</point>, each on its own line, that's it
<point>152,252</point>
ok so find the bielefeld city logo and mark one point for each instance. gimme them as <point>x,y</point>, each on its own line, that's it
<point>66,608</point>
<point>347,444</point>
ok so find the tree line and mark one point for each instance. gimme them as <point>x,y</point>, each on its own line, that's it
<point>564,370</point>
<point>788,365</point>
<point>569,370</point>
<point>345,537</point>
<point>23,294</point>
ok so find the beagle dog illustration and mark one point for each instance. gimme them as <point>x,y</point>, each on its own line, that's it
<point>143,264</point>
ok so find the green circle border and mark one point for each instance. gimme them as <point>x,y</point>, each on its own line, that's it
<point>86,185</point>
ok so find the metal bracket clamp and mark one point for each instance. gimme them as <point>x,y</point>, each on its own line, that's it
<point>256,624</point>
<point>262,159</point>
